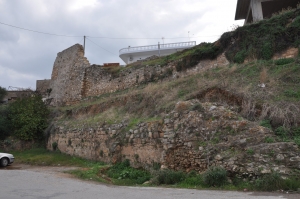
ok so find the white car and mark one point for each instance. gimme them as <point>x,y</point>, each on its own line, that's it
<point>6,159</point>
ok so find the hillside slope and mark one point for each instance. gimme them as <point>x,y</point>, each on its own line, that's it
<point>244,116</point>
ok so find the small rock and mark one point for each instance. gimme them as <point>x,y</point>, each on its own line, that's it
<point>218,157</point>
<point>212,108</point>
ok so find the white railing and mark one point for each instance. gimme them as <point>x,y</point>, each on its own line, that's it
<point>157,47</point>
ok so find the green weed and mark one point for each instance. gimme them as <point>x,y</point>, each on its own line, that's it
<point>215,176</point>
<point>41,156</point>
<point>284,61</point>
<point>123,171</point>
<point>269,140</point>
<point>169,177</point>
<point>266,123</point>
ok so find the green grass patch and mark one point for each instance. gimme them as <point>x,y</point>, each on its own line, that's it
<point>266,123</point>
<point>269,140</point>
<point>215,176</point>
<point>41,156</point>
<point>122,173</point>
<point>284,61</point>
<point>292,94</point>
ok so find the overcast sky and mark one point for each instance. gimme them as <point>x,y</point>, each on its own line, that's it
<point>28,56</point>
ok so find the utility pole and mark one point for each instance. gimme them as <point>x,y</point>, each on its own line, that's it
<point>158,49</point>
<point>83,45</point>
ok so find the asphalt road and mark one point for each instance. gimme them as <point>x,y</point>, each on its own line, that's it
<point>50,183</point>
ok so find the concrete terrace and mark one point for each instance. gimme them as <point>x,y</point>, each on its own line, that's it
<point>133,54</point>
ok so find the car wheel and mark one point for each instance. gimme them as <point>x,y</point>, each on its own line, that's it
<point>4,162</point>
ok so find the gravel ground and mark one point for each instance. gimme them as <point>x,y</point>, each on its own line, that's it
<point>36,182</point>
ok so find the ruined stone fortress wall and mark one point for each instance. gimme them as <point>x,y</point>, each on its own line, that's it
<point>67,76</point>
<point>73,78</point>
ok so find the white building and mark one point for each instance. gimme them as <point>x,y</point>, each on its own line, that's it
<point>133,54</point>
<point>256,10</point>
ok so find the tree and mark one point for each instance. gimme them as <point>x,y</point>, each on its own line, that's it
<point>4,123</point>
<point>3,92</point>
<point>28,117</point>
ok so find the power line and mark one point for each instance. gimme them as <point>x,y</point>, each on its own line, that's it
<point>100,46</point>
<point>152,37</point>
<point>38,31</point>
<point>103,37</point>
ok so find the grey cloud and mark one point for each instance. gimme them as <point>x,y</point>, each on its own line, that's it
<point>29,55</point>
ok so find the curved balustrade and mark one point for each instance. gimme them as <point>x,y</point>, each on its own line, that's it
<point>157,47</point>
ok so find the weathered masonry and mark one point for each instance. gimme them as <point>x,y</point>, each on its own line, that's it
<point>256,10</point>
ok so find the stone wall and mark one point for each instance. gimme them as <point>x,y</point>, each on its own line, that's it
<point>42,86</point>
<point>68,76</point>
<point>192,137</point>
<point>74,79</point>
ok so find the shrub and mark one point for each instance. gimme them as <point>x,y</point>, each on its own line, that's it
<point>54,146</point>
<point>156,165</point>
<point>269,140</point>
<point>193,179</point>
<point>3,92</point>
<point>215,176</point>
<point>250,152</point>
<point>266,51</point>
<point>4,123</point>
<point>284,61</point>
<point>292,93</point>
<point>197,107</point>
<point>28,117</point>
<point>124,171</point>
<point>297,140</point>
<point>240,57</point>
<point>265,123</point>
<point>169,177</point>
<point>282,132</point>
<point>269,182</point>
<point>296,131</point>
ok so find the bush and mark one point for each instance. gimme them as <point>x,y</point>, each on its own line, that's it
<point>292,93</point>
<point>28,117</point>
<point>265,123</point>
<point>197,107</point>
<point>215,176</point>
<point>266,51</point>
<point>4,123</point>
<point>3,92</point>
<point>269,182</point>
<point>240,57</point>
<point>123,171</point>
<point>193,181</point>
<point>169,177</point>
<point>269,140</point>
<point>282,132</point>
<point>297,140</point>
<point>54,146</point>
<point>285,61</point>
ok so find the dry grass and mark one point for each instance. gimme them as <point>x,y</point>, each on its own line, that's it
<point>158,98</point>
<point>263,76</point>
<point>283,113</point>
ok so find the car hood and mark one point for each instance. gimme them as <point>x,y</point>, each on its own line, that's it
<point>5,154</point>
